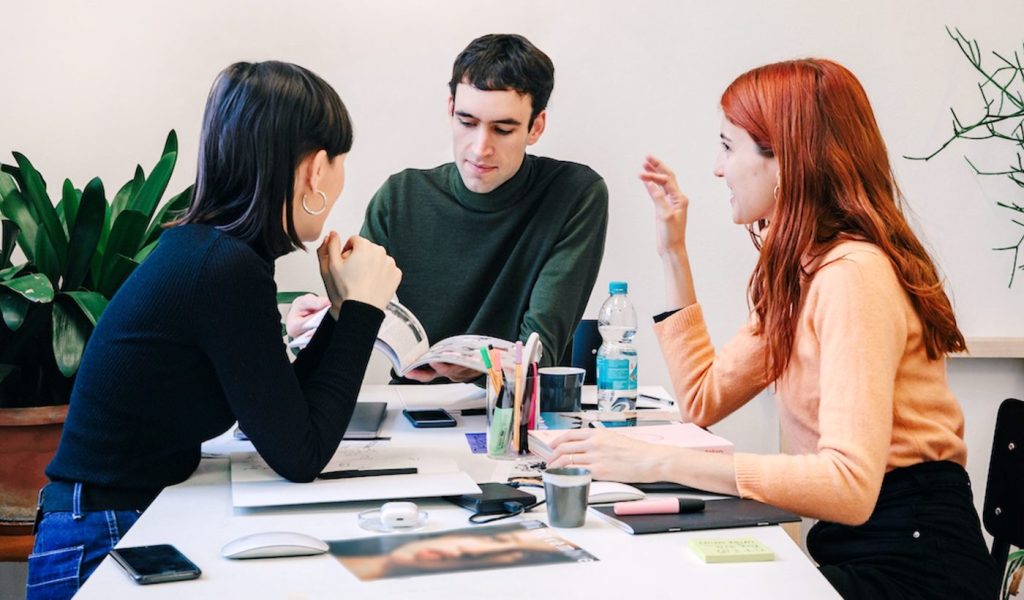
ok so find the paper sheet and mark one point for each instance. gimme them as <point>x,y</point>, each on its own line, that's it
<point>453,396</point>
<point>254,483</point>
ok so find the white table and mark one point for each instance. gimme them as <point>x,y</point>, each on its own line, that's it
<point>198,518</point>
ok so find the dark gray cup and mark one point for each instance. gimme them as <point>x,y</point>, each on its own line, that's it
<point>566,491</point>
<point>561,388</point>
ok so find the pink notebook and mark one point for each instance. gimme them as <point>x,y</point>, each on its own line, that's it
<point>684,435</point>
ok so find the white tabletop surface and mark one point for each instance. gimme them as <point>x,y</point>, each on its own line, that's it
<point>197,517</point>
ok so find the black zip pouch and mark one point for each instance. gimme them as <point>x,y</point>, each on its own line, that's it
<point>495,498</point>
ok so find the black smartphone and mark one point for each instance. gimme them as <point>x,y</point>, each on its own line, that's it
<point>434,417</point>
<point>155,564</point>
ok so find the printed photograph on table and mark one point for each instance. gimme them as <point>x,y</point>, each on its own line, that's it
<point>472,549</point>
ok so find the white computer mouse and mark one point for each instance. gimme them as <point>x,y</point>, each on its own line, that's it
<point>272,544</point>
<point>610,491</point>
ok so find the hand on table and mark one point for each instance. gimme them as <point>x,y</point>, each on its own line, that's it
<point>608,455</point>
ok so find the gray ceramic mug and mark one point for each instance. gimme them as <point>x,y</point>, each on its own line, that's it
<point>566,491</point>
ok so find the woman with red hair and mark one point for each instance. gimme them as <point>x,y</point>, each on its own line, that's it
<point>849,323</point>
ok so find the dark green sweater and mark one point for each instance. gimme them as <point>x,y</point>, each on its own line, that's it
<point>520,259</point>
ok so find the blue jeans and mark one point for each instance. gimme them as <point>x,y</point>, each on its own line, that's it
<point>69,546</point>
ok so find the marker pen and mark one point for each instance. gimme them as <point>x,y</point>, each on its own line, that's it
<point>658,506</point>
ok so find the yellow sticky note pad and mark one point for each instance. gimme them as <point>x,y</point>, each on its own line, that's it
<point>719,550</point>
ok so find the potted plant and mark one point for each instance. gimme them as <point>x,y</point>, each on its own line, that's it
<point>75,256</point>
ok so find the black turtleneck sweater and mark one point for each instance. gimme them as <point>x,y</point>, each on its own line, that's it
<point>519,259</point>
<point>190,343</point>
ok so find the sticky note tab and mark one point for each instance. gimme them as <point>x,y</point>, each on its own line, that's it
<point>477,442</point>
<point>723,550</point>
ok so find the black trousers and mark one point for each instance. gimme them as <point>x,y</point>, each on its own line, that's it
<point>922,541</point>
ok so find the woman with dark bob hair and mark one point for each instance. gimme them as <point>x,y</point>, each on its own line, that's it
<point>192,341</point>
<point>850,324</point>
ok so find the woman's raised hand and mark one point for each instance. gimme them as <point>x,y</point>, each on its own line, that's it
<point>358,270</point>
<point>669,205</point>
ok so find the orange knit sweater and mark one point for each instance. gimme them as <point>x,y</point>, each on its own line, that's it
<point>858,398</point>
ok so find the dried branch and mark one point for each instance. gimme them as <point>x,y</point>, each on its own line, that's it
<point>1002,118</point>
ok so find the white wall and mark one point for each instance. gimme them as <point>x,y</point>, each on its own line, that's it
<point>91,88</point>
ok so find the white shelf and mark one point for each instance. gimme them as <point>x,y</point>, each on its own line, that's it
<point>993,347</point>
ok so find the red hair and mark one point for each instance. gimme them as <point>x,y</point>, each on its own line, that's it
<point>835,183</point>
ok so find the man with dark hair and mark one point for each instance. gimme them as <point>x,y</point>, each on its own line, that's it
<point>498,242</point>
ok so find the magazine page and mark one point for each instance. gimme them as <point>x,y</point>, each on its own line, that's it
<point>471,549</point>
<point>401,337</point>
<point>463,350</point>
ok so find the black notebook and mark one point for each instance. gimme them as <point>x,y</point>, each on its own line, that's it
<point>717,514</point>
<point>365,424</point>
<point>366,421</point>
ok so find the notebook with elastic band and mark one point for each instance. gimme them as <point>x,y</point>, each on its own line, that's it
<point>717,514</point>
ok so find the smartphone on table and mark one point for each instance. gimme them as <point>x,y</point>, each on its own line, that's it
<point>434,417</point>
<point>155,564</point>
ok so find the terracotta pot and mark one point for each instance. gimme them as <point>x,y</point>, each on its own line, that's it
<point>28,440</point>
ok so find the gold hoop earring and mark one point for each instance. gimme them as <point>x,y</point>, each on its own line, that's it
<point>309,211</point>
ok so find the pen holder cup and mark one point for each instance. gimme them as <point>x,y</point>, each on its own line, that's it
<point>508,413</point>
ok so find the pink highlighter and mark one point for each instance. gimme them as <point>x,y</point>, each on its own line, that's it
<point>658,506</point>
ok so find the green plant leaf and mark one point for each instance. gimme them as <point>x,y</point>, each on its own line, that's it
<point>92,304</point>
<point>85,235</point>
<point>15,174</point>
<point>115,272</point>
<point>69,202</point>
<point>125,236</point>
<point>14,308</point>
<point>71,330</point>
<point>11,271</point>
<point>42,206</point>
<point>46,260</point>
<point>149,196</point>
<point>288,297</point>
<point>171,143</point>
<point>34,287</point>
<point>122,196</point>
<point>141,255</point>
<point>16,209</point>
<point>8,238</point>
<point>96,268</point>
<point>7,183</point>
<point>167,213</point>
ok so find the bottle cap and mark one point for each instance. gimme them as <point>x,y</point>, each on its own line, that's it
<point>618,287</point>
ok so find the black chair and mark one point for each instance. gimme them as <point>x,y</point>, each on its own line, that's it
<point>1003,512</point>
<point>585,343</point>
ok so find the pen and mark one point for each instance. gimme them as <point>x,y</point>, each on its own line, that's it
<point>353,473</point>
<point>485,355</point>
<point>668,401</point>
<point>517,401</point>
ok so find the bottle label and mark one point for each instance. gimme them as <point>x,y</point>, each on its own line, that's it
<point>615,374</point>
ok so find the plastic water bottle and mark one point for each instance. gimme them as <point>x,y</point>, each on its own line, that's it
<point>616,358</point>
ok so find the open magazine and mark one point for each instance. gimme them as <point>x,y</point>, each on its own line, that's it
<point>404,341</point>
<point>472,549</point>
